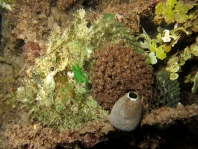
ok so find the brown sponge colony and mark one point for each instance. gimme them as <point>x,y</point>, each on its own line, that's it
<point>117,70</point>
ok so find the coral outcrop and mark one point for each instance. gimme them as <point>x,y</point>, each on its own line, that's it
<point>75,60</point>
<point>118,69</point>
<point>167,115</point>
<point>36,136</point>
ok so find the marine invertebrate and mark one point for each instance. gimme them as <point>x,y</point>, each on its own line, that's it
<point>127,112</point>
<point>166,91</point>
<point>118,69</point>
<point>56,88</point>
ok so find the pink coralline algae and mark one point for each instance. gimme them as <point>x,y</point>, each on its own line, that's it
<point>31,51</point>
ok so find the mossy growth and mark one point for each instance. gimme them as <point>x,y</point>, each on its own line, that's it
<point>57,87</point>
<point>166,91</point>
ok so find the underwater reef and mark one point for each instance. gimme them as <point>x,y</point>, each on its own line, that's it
<point>82,74</point>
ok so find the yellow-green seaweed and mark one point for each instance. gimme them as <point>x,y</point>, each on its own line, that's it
<point>173,11</point>
<point>154,45</point>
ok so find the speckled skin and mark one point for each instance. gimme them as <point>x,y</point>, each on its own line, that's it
<point>126,114</point>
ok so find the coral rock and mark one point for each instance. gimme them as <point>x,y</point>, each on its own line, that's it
<point>116,70</point>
